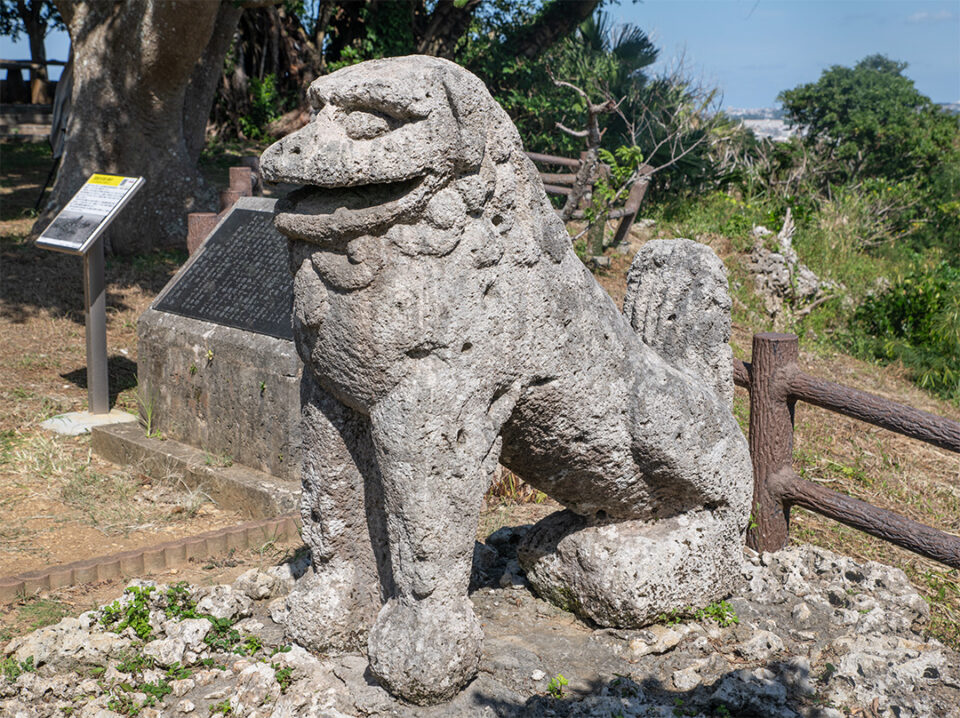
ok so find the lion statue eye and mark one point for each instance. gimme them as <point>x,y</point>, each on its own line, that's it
<point>364,125</point>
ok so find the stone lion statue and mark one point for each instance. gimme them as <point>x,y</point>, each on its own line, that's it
<point>446,324</point>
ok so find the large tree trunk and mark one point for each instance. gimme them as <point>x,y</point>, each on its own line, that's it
<point>31,14</point>
<point>444,27</point>
<point>202,89</point>
<point>133,63</point>
<point>39,81</point>
<point>557,20</point>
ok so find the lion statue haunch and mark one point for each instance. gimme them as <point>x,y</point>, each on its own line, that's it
<point>445,324</point>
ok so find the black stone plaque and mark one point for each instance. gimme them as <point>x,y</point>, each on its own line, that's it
<point>240,277</point>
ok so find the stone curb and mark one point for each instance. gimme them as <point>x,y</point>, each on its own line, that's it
<point>251,492</point>
<point>170,554</point>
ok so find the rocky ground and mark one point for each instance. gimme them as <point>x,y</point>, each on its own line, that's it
<point>809,633</point>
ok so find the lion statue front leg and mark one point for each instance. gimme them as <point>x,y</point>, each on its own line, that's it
<point>333,606</point>
<point>437,448</point>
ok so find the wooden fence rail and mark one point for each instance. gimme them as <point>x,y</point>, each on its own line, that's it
<point>561,184</point>
<point>776,384</point>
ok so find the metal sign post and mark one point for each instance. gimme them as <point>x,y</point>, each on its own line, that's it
<point>95,319</point>
<point>78,229</point>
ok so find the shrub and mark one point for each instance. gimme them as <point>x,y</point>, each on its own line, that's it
<point>917,321</point>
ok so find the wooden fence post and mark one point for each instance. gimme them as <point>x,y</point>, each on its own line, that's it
<point>771,436</point>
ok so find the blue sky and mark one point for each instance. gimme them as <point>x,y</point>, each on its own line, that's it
<point>753,49</point>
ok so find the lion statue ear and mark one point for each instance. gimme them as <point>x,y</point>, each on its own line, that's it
<point>485,129</point>
<point>470,103</point>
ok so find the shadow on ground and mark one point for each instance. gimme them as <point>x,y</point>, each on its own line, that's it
<point>122,373</point>
<point>736,693</point>
<point>34,280</point>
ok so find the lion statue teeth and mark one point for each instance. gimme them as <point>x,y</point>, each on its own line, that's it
<point>446,324</point>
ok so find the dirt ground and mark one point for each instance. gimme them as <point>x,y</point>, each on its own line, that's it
<point>60,503</point>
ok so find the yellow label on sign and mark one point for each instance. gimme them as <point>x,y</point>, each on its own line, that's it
<point>110,180</point>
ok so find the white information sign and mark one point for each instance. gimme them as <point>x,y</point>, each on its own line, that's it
<point>88,213</point>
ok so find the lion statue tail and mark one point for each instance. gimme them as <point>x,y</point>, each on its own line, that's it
<point>679,303</point>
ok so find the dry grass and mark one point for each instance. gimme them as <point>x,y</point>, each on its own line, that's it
<point>58,502</point>
<point>886,469</point>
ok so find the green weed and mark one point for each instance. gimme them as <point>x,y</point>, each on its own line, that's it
<point>13,669</point>
<point>221,707</point>
<point>135,614</point>
<point>556,684</point>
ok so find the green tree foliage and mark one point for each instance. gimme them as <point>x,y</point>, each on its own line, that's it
<point>869,126</point>
<point>22,16</point>
<point>600,59</point>
<point>872,120</point>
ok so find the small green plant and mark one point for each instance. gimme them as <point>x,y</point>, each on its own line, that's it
<point>719,611</point>
<point>671,618</point>
<point>828,670</point>
<point>155,691</point>
<point>679,710</point>
<point>135,614</point>
<point>179,604</point>
<point>134,663</point>
<point>122,702</point>
<point>176,672</point>
<point>249,646</point>
<point>221,707</point>
<point>146,409</point>
<point>223,637</point>
<point>284,676</point>
<point>556,684</point>
<point>13,669</point>
<point>193,369</point>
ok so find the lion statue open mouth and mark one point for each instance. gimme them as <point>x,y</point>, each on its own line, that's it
<point>446,324</point>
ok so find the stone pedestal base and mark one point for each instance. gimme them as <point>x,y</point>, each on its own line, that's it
<point>625,574</point>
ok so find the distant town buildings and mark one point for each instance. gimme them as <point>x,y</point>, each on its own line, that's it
<point>766,122</point>
<point>769,122</point>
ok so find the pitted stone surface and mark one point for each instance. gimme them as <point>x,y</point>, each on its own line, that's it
<point>764,665</point>
<point>445,323</point>
<point>677,300</point>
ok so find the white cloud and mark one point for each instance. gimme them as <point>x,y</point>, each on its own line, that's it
<point>925,16</point>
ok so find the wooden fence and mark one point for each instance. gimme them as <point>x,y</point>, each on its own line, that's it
<point>776,384</point>
<point>562,184</point>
